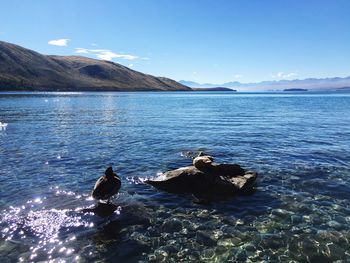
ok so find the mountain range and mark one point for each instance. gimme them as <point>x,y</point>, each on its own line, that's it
<point>24,69</point>
<point>322,84</point>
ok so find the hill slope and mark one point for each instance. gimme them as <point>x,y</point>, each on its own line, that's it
<point>24,69</point>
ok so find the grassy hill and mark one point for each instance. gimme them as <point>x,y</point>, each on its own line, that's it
<point>24,69</point>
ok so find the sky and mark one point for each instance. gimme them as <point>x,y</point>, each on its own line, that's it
<point>205,41</point>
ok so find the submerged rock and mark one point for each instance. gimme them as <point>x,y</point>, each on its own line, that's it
<point>102,209</point>
<point>207,180</point>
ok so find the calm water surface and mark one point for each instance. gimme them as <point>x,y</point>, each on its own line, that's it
<point>57,144</point>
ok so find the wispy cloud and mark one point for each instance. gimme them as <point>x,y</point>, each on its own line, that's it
<point>283,75</point>
<point>238,76</point>
<point>63,42</point>
<point>130,65</point>
<point>104,54</point>
<point>81,50</point>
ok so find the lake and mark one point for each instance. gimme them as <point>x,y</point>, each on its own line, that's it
<point>57,144</point>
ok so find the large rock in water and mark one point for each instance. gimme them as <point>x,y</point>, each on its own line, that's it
<point>207,180</point>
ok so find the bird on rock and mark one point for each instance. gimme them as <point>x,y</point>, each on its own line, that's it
<point>107,185</point>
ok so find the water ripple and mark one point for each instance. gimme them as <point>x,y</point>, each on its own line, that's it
<point>57,144</point>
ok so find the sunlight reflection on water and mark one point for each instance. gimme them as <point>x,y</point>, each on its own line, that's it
<point>49,231</point>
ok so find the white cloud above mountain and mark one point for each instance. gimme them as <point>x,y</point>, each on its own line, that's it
<point>63,42</point>
<point>104,54</point>
<point>283,75</point>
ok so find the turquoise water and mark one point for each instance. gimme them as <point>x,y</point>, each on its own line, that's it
<point>57,144</point>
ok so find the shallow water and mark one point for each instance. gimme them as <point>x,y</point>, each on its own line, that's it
<point>57,144</point>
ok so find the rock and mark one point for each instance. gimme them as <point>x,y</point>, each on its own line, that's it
<point>246,182</point>
<point>336,252</point>
<point>334,224</point>
<point>182,253</point>
<point>241,256</point>
<point>206,164</point>
<point>172,225</point>
<point>205,239</point>
<point>102,209</point>
<point>5,259</point>
<point>131,251</point>
<point>206,180</point>
<point>208,255</point>
<point>202,162</point>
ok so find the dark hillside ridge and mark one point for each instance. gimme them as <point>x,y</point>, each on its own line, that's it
<point>295,89</point>
<point>22,69</point>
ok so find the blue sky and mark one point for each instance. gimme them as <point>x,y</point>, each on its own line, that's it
<point>203,41</point>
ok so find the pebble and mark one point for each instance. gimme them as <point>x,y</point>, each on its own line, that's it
<point>182,253</point>
<point>250,247</point>
<point>336,252</point>
<point>296,219</point>
<point>207,254</point>
<point>205,239</point>
<point>229,242</point>
<point>172,225</point>
<point>241,256</point>
<point>334,224</point>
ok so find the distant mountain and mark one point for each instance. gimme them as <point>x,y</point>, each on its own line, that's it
<point>213,89</point>
<point>208,85</point>
<point>24,69</point>
<point>309,84</point>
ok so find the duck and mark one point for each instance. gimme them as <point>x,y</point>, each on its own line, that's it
<point>106,186</point>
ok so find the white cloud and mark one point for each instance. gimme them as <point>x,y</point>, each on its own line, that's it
<point>145,58</point>
<point>94,44</point>
<point>104,54</point>
<point>130,65</point>
<point>238,76</point>
<point>282,75</point>
<point>63,42</point>
<point>81,50</point>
